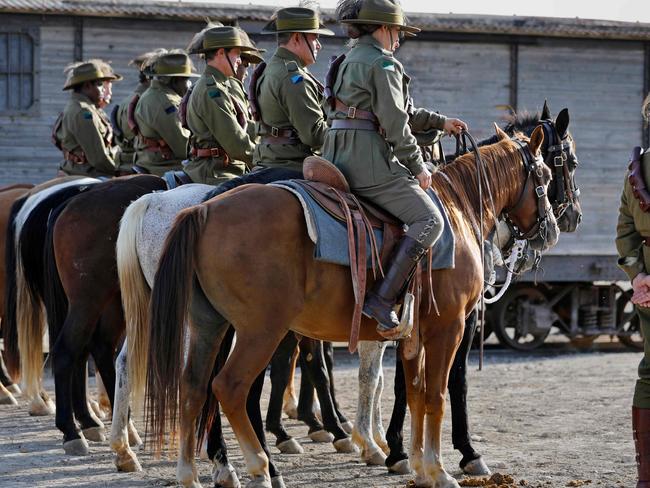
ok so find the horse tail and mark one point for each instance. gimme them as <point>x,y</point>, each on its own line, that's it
<point>9,322</point>
<point>168,310</point>
<point>135,296</point>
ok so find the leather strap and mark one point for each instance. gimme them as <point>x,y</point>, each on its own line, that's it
<point>358,124</point>
<point>354,112</point>
<point>280,140</point>
<point>157,146</point>
<point>211,152</point>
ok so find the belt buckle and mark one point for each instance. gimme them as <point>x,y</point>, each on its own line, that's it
<point>352,112</point>
<point>540,191</point>
<point>275,132</point>
<point>215,152</point>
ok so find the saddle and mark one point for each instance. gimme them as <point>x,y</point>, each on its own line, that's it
<point>175,179</point>
<point>329,188</point>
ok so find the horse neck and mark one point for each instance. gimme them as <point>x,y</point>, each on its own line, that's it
<point>503,181</point>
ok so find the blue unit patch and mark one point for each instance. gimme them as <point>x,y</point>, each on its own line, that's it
<point>214,93</point>
<point>295,79</point>
<point>170,110</point>
<point>388,66</point>
<point>88,115</point>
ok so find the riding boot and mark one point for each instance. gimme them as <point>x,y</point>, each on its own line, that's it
<point>381,299</point>
<point>641,432</point>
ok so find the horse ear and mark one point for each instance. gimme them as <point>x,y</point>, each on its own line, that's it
<point>536,140</point>
<point>546,112</point>
<point>500,134</point>
<point>562,122</point>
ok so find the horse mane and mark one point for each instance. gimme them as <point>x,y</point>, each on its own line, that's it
<point>502,164</point>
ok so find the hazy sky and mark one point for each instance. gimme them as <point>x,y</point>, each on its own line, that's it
<point>628,10</point>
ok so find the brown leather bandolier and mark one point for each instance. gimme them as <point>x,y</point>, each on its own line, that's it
<point>182,109</point>
<point>130,114</point>
<point>211,152</point>
<point>641,433</point>
<point>252,91</point>
<point>636,180</point>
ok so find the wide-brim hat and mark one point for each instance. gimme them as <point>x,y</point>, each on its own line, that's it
<point>94,70</point>
<point>172,65</point>
<point>141,61</point>
<point>226,37</point>
<point>296,19</point>
<point>254,56</point>
<point>382,12</point>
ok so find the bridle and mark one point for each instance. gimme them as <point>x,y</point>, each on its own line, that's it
<point>566,191</point>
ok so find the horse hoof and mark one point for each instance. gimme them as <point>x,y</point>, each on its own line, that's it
<point>278,482</point>
<point>134,437</point>
<point>345,445</point>
<point>7,399</point>
<point>225,476</point>
<point>477,467</point>
<point>347,427</point>
<point>259,482</point>
<point>76,447</point>
<point>40,407</point>
<point>400,467</point>
<point>290,446</point>
<point>95,434</point>
<point>128,463</point>
<point>14,389</point>
<point>94,407</point>
<point>377,458</point>
<point>321,436</point>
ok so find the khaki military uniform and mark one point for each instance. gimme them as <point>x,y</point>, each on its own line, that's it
<point>85,135</point>
<point>289,97</point>
<point>634,258</point>
<point>125,138</point>
<point>381,165</point>
<point>162,143</point>
<point>217,123</point>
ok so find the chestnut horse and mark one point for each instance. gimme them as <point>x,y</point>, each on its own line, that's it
<point>263,245</point>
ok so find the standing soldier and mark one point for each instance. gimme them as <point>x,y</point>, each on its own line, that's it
<point>220,148</point>
<point>82,132</point>
<point>161,141</point>
<point>633,245</point>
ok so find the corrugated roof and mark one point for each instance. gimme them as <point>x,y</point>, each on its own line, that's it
<point>475,24</point>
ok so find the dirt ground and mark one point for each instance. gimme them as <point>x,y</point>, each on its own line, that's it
<point>549,419</point>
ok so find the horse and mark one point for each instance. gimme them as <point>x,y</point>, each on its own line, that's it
<point>559,154</point>
<point>315,299</point>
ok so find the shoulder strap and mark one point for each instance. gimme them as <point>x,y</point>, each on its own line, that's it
<point>182,109</point>
<point>330,79</point>
<point>252,91</point>
<point>55,129</point>
<point>115,123</point>
<point>133,124</point>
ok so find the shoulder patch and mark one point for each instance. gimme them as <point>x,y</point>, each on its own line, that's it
<point>214,93</point>
<point>295,79</point>
<point>170,110</point>
<point>292,66</point>
<point>388,65</point>
<point>87,115</point>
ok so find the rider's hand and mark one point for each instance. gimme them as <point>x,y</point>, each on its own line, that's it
<point>424,178</point>
<point>641,288</point>
<point>454,126</point>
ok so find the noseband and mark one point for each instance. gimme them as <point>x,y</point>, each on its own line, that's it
<point>534,172</point>
<point>566,191</point>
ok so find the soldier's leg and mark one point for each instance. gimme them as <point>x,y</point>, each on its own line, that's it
<point>404,199</point>
<point>641,405</point>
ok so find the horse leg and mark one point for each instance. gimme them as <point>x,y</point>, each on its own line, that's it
<point>397,460</point>
<point>6,398</point>
<point>122,429</point>
<point>414,381</point>
<point>91,427</point>
<point>370,358</point>
<point>103,398</point>
<point>472,463</point>
<point>280,370</point>
<point>290,399</point>
<point>328,351</point>
<point>232,385</point>
<point>306,408</point>
<point>5,379</point>
<point>316,369</point>
<point>378,432</point>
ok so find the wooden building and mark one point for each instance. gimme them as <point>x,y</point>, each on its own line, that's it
<point>473,67</point>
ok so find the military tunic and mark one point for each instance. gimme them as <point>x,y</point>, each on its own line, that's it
<point>86,132</point>
<point>212,119</point>
<point>289,97</point>
<point>124,137</point>
<point>381,166</point>
<point>157,117</point>
<point>634,258</point>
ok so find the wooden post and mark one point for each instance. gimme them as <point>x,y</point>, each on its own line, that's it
<point>514,75</point>
<point>78,23</point>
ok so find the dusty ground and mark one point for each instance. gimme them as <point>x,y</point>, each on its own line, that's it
<point>552,419</point>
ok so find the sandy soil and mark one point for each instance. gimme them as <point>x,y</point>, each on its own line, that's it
<point>549,419</point>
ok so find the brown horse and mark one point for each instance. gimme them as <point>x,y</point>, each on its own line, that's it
<point>256,240</point>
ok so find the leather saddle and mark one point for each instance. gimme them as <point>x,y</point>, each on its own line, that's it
<point>174,179</point>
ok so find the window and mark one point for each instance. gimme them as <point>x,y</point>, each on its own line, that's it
<point>17,72</point>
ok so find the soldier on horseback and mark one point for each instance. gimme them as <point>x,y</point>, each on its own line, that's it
<point>161,142</point>
<point>371,141</point>
<point>82,132</point>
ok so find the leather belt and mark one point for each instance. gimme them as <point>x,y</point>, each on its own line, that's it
<point>211,152</point>
<point>354,112</point>
<point>157,146</point>
<point>74,158</point>
<point>274,135</point>
<point>359,124</point>
<point>280,140</point>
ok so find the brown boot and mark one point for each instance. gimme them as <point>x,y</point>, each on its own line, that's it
<point>641,433</point>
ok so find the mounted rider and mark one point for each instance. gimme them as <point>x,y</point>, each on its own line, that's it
<point>83,132</point>
<point>371,141</point>
<point>220,147</point>
<point>161,141</point>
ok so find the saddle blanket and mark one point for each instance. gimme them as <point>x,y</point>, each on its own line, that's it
<point>330,237</point>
